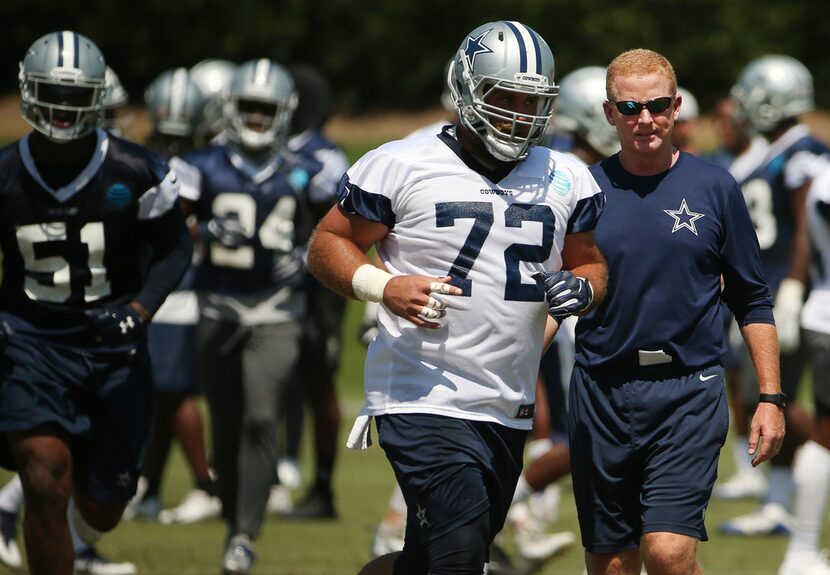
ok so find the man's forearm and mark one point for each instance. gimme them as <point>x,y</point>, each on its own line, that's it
<point>762,342</point>
<point>333,260</point>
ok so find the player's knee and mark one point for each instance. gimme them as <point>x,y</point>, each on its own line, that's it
<point>669,553</point>
<point>100,516</point>
<point>47,480</point>
<point>462,550</point>
<point>260,429</point>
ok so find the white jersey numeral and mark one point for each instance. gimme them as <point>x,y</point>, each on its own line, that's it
<point>276,232</point>
<point>758,197</point>
<point>49,257</point>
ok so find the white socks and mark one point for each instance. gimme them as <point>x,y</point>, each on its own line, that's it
<point>811,472</point>
<point>11,496</point>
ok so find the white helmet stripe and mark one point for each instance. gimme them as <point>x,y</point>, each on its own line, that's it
<point>68,49</point>
<point>178,92</point>
<point>530,59</point>
<point>263,67</point>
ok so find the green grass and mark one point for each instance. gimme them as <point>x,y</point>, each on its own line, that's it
<point>363,483</point>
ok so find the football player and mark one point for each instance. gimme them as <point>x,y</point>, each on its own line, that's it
<point>462,223</point>
<point>320,346</point>
<point>253,218</point>
<point>92,244</point>
<point>175,105</point>
<point>772,92</point>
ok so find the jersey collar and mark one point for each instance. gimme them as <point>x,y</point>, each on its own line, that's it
<point>66,192</point>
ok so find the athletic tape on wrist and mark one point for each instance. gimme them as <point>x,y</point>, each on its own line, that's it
<point>368,283</point>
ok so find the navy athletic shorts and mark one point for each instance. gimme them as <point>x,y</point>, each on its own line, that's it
<point>450,471</point>
<point>103,400</point>
<point>644,453</point>
<point>173,354</point>
<point>550,368</point>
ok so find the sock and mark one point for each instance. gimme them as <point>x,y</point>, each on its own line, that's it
<point>538,447</point>
<point>523,490</point>
<point>85,532</point>
<point>153,486</point>
<point>207,485</point>
<point>743,462</point>
<point>781,486</point>
<point>11,496</point>
<point>325,469</point>
<point>811,475</point>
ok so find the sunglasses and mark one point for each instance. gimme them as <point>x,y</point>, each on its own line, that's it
<point>633,108</point>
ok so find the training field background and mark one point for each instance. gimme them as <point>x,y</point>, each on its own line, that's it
<point>363,480</point>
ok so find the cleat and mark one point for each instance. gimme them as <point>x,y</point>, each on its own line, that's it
<point>279,500</point>
<point>9,550</point>
<point>89,562</point>
<point>197,506</point>
<point>770,519</point>
<point>537,547</point>
<point>388,538</point>
<point>499,563</point>
<point>316,505</point>
<point>239,556</point>
<point>742,485</point>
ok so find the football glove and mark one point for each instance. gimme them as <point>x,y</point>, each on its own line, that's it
<point>566,293</point>
<point>227,230</point>
<point>368,330</point>
<point>116,326</point>
<point>787,313</point>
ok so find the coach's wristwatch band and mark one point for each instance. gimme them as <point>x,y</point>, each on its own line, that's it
<point>779,399</point>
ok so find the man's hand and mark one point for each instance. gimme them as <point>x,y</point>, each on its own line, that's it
<point>419,298</point>
<point>787,312</point>
<point>116,326</point>
<point>768,428</point>
<point>566,293</point>
<point>227,230</point>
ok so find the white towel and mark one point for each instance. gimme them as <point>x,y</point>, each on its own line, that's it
<point>360,437</point>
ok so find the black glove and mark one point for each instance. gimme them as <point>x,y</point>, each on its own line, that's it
<point>226,230</point>
<point>566,293</point>
<point>116,325</point>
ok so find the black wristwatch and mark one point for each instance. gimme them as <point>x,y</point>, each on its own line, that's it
<point>779,399</point>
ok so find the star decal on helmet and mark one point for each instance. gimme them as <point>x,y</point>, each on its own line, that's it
<point>475,47</point>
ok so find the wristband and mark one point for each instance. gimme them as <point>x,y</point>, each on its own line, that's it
<point>368,283</point>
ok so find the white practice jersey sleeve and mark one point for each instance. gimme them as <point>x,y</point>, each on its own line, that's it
<point>815,315</point>
<point>446,218</point>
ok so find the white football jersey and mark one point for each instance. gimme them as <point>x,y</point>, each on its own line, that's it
<point>815,315</point>
<point>492,235</point>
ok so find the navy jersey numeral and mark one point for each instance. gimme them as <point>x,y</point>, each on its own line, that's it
<point>446,213</point>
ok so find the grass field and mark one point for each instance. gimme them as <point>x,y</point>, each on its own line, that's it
<point>363,483</point>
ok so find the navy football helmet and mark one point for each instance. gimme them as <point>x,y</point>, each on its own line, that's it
<point>62,83</point>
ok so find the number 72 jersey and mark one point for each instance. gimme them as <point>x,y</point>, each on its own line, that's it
<point>449,216</point>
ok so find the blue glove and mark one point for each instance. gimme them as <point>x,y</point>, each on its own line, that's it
<point>116,326</point>
<point>226,230</point>
<point>566,293</point>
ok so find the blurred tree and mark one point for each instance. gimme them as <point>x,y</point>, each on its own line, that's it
<point>392,53</point>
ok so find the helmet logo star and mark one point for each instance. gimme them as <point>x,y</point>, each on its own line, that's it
<point>683,218</point>
<point>475,47</point>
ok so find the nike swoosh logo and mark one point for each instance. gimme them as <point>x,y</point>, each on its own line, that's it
<point>707,377</point>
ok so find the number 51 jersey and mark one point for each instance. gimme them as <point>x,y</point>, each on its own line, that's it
<point>81,246</point>
<point>491,232</point>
